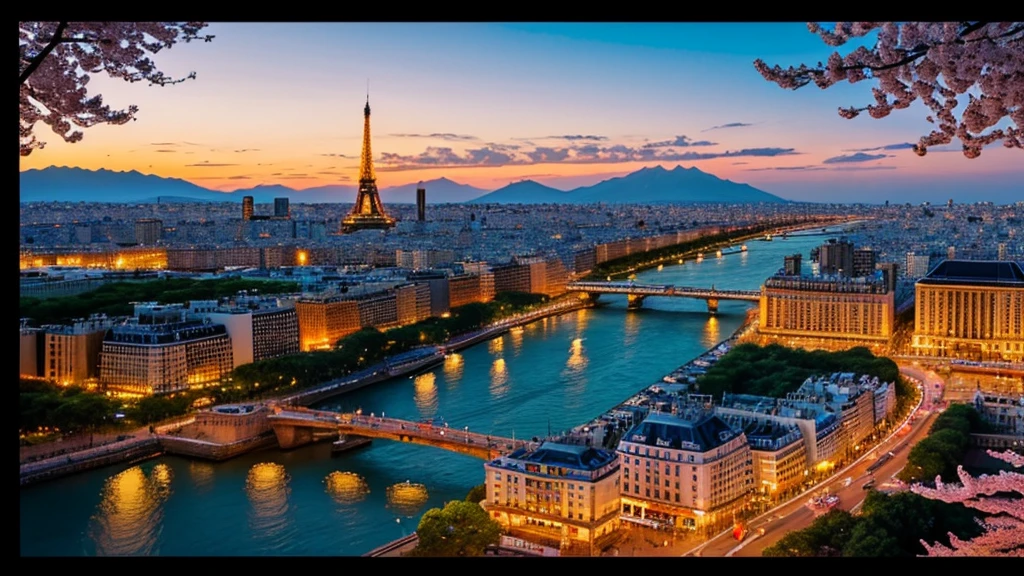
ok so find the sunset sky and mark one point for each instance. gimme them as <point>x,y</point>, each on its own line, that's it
<point>488,104</point>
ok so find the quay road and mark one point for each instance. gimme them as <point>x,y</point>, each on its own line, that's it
<point>848,484</point>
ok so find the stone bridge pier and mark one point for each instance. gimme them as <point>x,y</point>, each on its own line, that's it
<point>712,305</point>
<point>289,437</point>
<point>634,301</point>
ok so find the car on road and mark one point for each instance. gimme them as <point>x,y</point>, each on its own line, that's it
<point>869,484</point>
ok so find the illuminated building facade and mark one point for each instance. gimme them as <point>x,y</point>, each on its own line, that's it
<point>71,354</point>
<point>833,308</point>
<point>325,320</point>
<point>247,207</point>
<point>559,494</point>
<point>163,350</point>
<point>260,328</point>
<point>463,289</point>
<point>29,361</point>
<point>148,231</point>
<point>776,444</point>
<point>971,310</point>
<point>684,470</point>
<point>1005,413</point>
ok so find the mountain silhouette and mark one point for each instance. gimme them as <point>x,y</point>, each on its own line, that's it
<point>524,192</point>
<point>645,186</point>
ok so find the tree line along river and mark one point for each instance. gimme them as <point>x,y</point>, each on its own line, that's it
<point>306,503</point>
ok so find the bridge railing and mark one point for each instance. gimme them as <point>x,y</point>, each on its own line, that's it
<point>421,429</point>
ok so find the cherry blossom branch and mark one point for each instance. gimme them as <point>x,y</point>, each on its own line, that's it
<point>38,59</point>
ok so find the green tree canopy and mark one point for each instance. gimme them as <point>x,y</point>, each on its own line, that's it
<point>459,529</point>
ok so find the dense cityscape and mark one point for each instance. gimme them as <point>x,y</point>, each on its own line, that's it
<point>714,378</point>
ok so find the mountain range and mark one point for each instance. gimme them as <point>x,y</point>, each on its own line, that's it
<point>645,186</point>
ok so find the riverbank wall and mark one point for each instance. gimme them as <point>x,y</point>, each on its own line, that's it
<point>203,450</point>
<point>137,451</point>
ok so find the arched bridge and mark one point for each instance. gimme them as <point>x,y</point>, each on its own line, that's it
<point>296,427</point>
<point>636,293</point>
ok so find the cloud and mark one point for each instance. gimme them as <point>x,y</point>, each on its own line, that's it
<point>439,157</point>
<point>900,146</point>
<point>567,137</point>
<point>288,176</point>
<point>729,125</point>
<point>787,168</point>
<point>207,164</point>
<point>238,178</point>
<point>438,136</point>
<point>247,150</point>
<point>339,174</point>
<point>862,168</point>
<point>858,157</point>
<point>739,163</point>
<point>164,150</point>
<point>679,142</point>
<point>340,156</point>
<point>182,143</point>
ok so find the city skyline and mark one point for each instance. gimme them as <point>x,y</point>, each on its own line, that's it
<point>488,104</point>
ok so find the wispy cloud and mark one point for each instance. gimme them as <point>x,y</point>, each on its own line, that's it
<point>787,168</point>
<point>238,178</point>
<point>291,176</point>
<point>862,168</point>
<point>182,143</point>
<point>332,173</point>
<point>208,164</point>
<point>567,137</point>
<point>438,157</point>
<point>858,157</point>
<point>729,125</point>
<point>438,136</point>
<point>679,142</point>
<point>340,156</point>
<point>247,150</point>
<point>900,146</point>
<point>739,163</point>
<point>165,150</point>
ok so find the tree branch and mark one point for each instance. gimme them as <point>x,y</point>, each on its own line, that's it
<point>61,26</point>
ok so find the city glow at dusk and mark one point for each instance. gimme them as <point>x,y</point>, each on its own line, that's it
<point>487,104</point>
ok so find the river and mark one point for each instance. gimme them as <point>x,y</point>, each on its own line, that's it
<point>306,503</point>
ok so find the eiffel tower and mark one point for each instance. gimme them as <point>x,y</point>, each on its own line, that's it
<point>368,213</point>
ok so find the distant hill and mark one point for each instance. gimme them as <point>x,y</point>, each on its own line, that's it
<point>524,192</point>
<point>60,183</point>
<point>645,186</point>
<point>439,191</point>
<point>680,185</point>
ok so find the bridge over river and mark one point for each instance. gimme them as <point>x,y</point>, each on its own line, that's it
<point>296,426</point>
<point>635,293</point>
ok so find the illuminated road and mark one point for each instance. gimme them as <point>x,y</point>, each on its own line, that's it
<point>796,515</point>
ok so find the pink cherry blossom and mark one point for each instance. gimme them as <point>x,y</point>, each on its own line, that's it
<point>934,63</point>
<point>1004,523</point>
<point>56,61</point>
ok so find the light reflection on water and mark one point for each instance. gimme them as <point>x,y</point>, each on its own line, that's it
<point>268,491</point>
<point>425,387</point>
<point>453,369</point>
<point>407,498</point>
<point>129,518</point>
<point>202,474</point>
<point>499,378</point>
<point>346,488</point>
